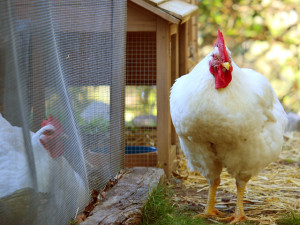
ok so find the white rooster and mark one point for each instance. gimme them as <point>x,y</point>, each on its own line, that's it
<point>53,171</point>
<point>226,117</point>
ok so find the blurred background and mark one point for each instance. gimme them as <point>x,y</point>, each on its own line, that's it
<point>262,35</point>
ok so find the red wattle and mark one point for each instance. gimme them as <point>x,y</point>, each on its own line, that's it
<point>55,150</point>
<point>222,77</point>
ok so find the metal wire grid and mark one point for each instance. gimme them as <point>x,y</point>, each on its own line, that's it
<point>141,103</point>
<point>60,58</point>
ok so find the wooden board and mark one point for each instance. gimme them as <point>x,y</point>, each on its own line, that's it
<point>163,91</point>
<point>179,9</point>
<point>139,19</point>
<point>183,49</point>
<point>157,11</point>
<point>174,11</point>
<point>156,2</point>
<point>123,203</point>
<point>174,68</point>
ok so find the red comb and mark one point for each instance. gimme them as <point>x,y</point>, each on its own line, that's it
<point>54,122</point>
<point>221,46</point>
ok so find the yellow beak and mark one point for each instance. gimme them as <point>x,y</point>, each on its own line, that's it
<point>226,65</point>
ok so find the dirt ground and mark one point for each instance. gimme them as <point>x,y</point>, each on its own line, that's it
<point>275,191</point>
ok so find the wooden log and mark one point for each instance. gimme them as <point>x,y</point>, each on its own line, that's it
<point>123,203</point>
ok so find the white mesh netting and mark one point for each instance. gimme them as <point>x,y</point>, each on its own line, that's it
<point>62,75</point>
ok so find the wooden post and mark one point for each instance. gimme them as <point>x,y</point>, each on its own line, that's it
<point>183,49</point>
<point>163,44</point>
<point>174,71</point>
<point>174,76</point>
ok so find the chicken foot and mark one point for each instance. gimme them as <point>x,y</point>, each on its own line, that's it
<point>239,214</point>
<point>210,210</point>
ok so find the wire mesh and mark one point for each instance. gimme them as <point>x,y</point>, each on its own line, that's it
<point>62,86</point>
<point>141,99</point>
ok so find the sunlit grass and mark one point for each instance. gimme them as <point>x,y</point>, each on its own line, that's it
<point>159,210</point>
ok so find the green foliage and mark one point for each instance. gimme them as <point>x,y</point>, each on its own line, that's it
<point>159,210</point>
<point>292,218</point>
<point>262,35</point>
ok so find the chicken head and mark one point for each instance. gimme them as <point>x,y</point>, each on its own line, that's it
<point>220,64</point>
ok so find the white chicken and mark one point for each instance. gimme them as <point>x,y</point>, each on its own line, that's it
<point>52,169</point>
<point>226,117</point>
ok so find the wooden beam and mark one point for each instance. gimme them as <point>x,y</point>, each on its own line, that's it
<point>180,9</point>
<point>174,72</point>
<point>156,2</point>
<point>173,29</point>
<point>140,27</point>
<point>163,91</point>
<point>157,11</point>
<point>183,49</point>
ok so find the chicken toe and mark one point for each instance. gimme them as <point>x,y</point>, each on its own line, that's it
<point>211,213</point>
<point>237,218</point>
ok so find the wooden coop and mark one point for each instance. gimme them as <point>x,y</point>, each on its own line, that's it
<point>161,46</point>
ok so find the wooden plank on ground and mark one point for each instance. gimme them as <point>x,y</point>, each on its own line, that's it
<point>123,203</point>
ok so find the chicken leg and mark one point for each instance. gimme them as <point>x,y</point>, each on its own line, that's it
<point>210,210</point>
<point>239,214</point>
